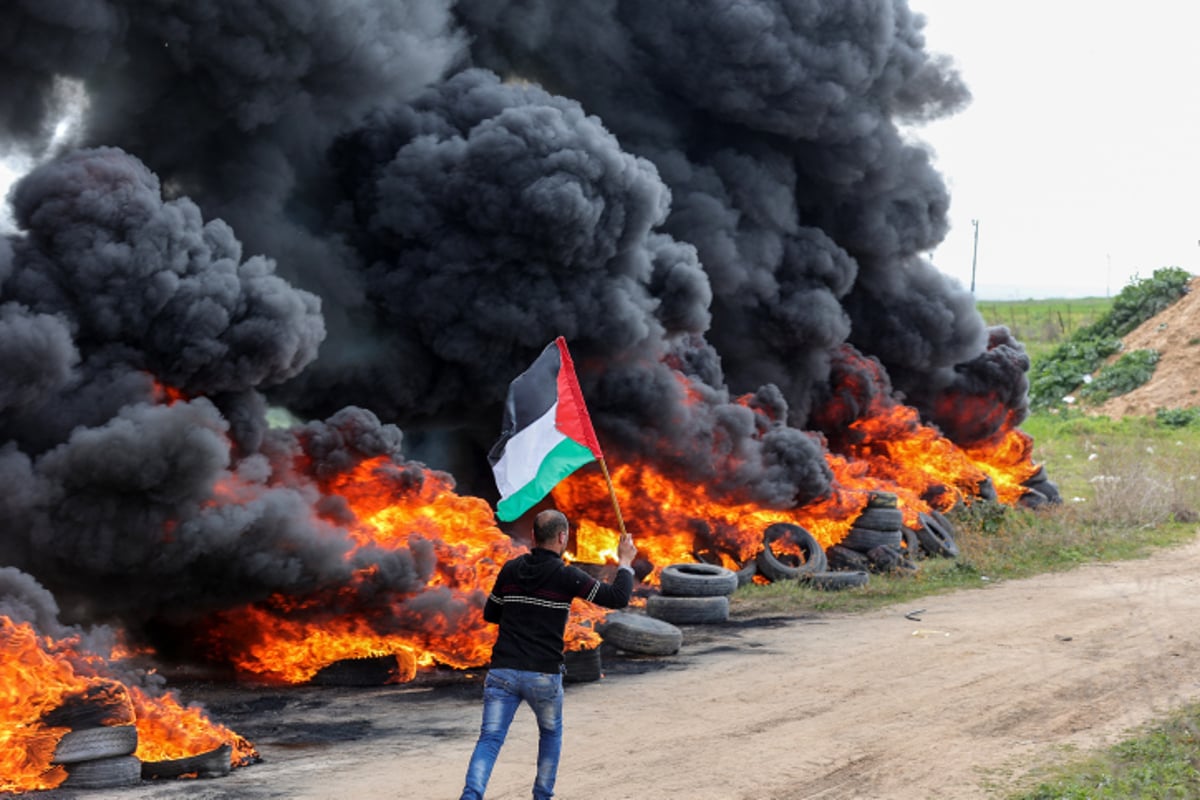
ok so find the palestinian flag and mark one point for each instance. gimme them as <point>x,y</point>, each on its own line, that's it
<point>546,434</point>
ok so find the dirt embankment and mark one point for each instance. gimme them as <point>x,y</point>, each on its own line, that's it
<point>1175,334</point>
<point>969,694</point>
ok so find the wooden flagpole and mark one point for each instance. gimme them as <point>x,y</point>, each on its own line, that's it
<point>612,492</point>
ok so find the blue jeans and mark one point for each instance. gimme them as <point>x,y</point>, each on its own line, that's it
<point>503,691</point>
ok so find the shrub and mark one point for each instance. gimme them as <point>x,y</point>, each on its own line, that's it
<point>1176,417</point>
<point>1142,299</point>
<point>1062,371</point>
<point>1122,376</point>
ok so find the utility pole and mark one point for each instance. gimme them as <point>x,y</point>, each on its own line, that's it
<point>974,254</point>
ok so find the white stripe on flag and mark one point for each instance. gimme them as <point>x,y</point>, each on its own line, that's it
<point>525,451</point>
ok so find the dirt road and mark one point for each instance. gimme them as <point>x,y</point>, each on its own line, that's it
<point>982,687</point>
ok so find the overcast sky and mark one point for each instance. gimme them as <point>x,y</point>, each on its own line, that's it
<point>1080,153</point>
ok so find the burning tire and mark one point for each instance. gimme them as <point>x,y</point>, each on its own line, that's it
<point>775,568</point>
<point>746,574</point>
<point>836,581</point>
<point>688,610</point>
<point>697,580</point>
<point>936,535</point>
<point>90,744</point>
<point>213,764</point>
<point>880,519</point>
<point>636,633</point>
<point>103,773</point>
<point>912,544</point>
<point>367,671</point>
<point>105,703</point>
<point>864,539</point>
<point>582,666</point>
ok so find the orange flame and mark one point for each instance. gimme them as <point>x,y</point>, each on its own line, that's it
<point>168,730</point>
<point>290,639</point>
<point>37,673</point>
<point>880,446</point>
<point>167,395</point>
<point>886,448</point>
<point>1008,461</point>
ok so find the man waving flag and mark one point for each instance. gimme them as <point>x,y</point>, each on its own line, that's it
<point>546,434</point>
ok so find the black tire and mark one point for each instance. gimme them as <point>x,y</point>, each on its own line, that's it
<point>882,500</point>
<point>697,580</point>
<point>103,773</point>
<point>213,764</point>
<point>364,671</point>
<point>101,704</point>
<point>846,560</point>
<point>987,490</point>
<point>936,537</point>
<point>1032,498</point>
<point>774,568</point>
<point>637,633</point>
<point>836,581</point>
<point>942,520</point>
<point>1042,484</point>
<point>890,560</point>
<point>582,666</point>
<point>880,519</point>
<point>912,543</point>
<point>1050,490</point>
<point>688,610</point>
<point>864,539</point>
<point>746,574</point>
<point>90,744</point>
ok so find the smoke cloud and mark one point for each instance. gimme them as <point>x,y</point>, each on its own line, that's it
<point>376,214</point>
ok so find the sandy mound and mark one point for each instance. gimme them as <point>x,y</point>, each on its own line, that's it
<point>1175,334</point>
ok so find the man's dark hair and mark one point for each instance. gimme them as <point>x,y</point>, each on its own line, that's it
<point>548,525</point>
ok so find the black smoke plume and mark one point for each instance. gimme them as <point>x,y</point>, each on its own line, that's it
<point>376,214</point>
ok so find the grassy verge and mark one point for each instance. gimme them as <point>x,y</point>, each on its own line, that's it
<point>1158,764</point>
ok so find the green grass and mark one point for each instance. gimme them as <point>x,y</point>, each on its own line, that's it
<point>1130,487</point>
<point>1041,325</point>
<point>1159,763</point>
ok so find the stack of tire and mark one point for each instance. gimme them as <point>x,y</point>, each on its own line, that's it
<point>877,539</point>
<point>98,748</point>
<point>1040,490</point>
<point>778,563</point>
<point>693,594</point>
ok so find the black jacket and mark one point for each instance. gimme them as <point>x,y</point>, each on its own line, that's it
<point>530,602</point>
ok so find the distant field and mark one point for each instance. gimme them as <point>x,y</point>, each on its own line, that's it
<point>1042,324</point>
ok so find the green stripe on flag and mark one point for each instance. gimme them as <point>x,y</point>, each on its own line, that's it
<point>566,457</point>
